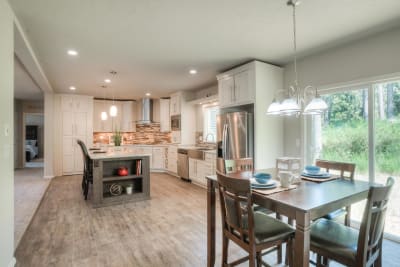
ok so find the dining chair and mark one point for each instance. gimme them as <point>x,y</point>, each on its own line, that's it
<point>253,231</point>
<point>345,170</point>
<point>335,241</point>
<point>87,177</point>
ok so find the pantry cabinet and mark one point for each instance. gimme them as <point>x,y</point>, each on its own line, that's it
<point>76,124</point>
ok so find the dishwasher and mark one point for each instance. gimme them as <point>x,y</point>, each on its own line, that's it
<point>183,164</point>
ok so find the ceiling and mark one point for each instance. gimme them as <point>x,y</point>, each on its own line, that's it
<point>153,44</point>
<point>24,86</point>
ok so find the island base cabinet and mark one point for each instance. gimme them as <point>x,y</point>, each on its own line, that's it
<point>110,187</point>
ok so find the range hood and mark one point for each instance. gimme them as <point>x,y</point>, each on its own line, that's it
<point>145,111</point>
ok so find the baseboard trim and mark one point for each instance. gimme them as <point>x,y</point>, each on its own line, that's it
<point>12,262</point>
<point>48,177</point>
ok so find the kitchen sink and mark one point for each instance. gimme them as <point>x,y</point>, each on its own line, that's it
<point>196,153</point>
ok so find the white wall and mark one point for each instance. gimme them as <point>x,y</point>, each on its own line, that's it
<point>373,56</point>
<point>49,133</point>
<point>6,135</point>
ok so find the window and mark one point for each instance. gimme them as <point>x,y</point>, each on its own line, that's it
<point>362,125</point>
<point>210,123</point>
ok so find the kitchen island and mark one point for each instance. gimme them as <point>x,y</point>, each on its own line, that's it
<point>119,177</point>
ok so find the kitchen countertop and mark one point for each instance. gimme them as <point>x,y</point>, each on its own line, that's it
<point>114,155</point>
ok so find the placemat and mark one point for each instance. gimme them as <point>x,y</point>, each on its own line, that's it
<point>274,190</point>
<point>320,180</point>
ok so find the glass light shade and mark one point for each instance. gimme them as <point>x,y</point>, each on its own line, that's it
<point>104,116</point>
<point>113,111</point>
<point>274,108</point>
<point>316,106</point>
<point>289,107</point>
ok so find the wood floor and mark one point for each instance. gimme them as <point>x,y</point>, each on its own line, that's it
<point>29,187</point>
<point>168,230</point>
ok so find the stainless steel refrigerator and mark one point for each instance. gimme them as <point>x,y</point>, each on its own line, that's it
<point>234,137</point>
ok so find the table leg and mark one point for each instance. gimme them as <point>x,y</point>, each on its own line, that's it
<point>210,223</point>
<point>302,240</point>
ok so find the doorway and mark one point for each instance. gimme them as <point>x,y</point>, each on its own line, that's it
<point>34,140</point>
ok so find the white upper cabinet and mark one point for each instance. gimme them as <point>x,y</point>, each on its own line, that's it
<point>175,105</point>
<point>165,120</point>
<point>128,123</point>
<point>124,120</point>
<point>236,87</point>
<point>225,90</point>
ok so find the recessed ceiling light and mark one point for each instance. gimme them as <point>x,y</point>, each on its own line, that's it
<point>107,80</point>
<point>73,88</point>
<point>193,71</point>
<point>72,52</point>
<point>148,94</point>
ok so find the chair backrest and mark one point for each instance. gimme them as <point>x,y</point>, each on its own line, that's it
<point>344,169</point>
<point>373,223</point>
<point>238,165</point>
<point>84,152</point>
<point>237,214</point>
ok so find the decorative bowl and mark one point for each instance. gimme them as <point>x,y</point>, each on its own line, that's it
<point>262,178</point>
<point>312,169</point>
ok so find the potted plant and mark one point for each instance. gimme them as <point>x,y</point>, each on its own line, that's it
<point>117,137</point>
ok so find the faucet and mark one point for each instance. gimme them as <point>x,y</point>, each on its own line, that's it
<point>212,135</point>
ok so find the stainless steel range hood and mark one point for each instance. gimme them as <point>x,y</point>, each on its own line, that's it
<point>145,111</point>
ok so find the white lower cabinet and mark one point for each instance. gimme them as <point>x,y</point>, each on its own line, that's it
<point>172,159</point>
<point>158,158</point>
<point>199,169</point>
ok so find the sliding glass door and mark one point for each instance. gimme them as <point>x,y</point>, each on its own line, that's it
<point>387,146</point>
<point>362,125</point>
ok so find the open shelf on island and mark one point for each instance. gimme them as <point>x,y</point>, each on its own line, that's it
<point>134,166</point>
<point>136,184</point>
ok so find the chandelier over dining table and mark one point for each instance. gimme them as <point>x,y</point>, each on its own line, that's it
<point>294,98</point>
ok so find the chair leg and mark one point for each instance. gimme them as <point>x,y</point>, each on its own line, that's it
<point>252,257</point>
<point>279,254</point>
<point>319,261</point>
<point>347,217</point>
<point>325,261</point>
<point>225,245</point>
<point>259,259</point>
<point>86,189</point>
<point>289,253</point>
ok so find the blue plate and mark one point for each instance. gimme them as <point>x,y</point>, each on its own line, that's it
<point>268,185</point>
<point>321,175</point>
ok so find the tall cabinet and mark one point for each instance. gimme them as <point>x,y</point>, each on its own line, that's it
<point>76,123</point>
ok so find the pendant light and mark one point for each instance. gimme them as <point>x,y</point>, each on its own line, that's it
<point>104,115</point>
<point>295,97</point>
<point>113,108</point>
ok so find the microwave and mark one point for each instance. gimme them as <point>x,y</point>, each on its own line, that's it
<point>176,123</point>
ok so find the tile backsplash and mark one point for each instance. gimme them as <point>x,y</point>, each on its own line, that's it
<point>145,134</point>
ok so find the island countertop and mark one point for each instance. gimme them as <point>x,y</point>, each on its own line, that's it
<point>114,154</point>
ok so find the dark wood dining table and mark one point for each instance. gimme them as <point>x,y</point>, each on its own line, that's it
<point>309,201</point>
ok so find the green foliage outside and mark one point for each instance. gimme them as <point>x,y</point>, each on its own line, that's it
<point>345,129</point>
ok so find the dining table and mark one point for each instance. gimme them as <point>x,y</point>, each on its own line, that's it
<point>304,204</point>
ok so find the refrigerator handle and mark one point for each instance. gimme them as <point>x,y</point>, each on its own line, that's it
<point>224,140</point>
